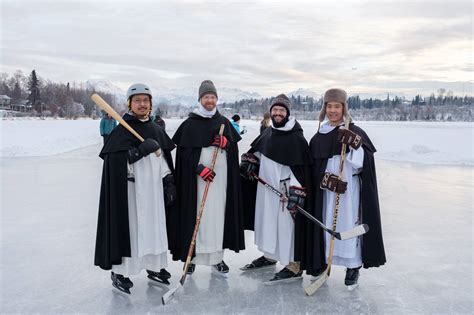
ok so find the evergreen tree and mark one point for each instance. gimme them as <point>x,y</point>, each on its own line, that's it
<point>34,99</point>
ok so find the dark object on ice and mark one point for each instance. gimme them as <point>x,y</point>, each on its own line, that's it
<point>191,268</point>
<point>352,275</point>
<point>259,263</point>
<point>285,275</point>
<point>121,283</point>
<point>221,268</point>
<point>161,277</point>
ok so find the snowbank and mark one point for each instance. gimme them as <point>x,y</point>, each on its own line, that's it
<point>419,142</point>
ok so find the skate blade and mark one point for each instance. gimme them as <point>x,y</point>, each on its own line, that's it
<point>275,282</point>
<point>352,287</point>
<point>220,274</point>
<point>258,268</point>
<point>315,278</point>
<point>158,280</point>
<point>124,290</point>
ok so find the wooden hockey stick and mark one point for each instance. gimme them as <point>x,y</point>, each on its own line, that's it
<point>169,295</point>
<point>109,110</point>
<point>310,289</point>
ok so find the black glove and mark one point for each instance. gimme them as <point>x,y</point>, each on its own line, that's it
<point>296,197</point>
<point>205,173</point>
<point>169,190</point>
<point>249,163</point>
<point>146,147</point>
<point>332,183</point>
<point>349,137</point>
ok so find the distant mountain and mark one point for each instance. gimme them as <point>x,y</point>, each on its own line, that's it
<point>185,96</point>
<point>304,92</point>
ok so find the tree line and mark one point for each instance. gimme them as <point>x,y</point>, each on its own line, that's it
<point>33,96</point>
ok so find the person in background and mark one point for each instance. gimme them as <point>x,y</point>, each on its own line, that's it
<point>159,120</point>
<point>266,122</point>
<point>107,124</point>
<point>236,124</point>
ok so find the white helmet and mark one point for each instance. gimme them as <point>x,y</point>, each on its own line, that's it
<point>138,88</point>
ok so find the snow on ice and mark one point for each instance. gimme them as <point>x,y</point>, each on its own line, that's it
<point>419,142</point>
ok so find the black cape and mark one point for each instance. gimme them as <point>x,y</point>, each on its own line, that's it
<point>113,237</point>
<point>288,148</point>
<point>325,146</point>
<point>192,135</point>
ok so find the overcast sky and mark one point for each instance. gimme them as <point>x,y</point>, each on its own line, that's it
<point>265,46</point>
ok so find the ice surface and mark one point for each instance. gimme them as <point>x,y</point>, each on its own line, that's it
<point>48,226</point>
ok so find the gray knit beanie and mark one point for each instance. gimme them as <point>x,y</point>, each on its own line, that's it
<point>281,100</point>
<point>206,87</point>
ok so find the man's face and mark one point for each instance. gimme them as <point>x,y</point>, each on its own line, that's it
<point>278,113</point>
<point>334,112</point>
<point>140,105</point>
<point>209,101</point>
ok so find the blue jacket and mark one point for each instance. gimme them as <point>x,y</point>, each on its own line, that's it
<point>236,126</point>
<point>107,125</point>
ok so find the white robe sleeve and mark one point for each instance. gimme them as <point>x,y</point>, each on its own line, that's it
<point>294,181</point>
<point>355,159</point>
<point>165,170</point>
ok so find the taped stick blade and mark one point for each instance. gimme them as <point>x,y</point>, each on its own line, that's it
<point>357,231</point>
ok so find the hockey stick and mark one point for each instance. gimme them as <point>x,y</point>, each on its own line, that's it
<point>169,295</point>
<point>109,110</point>
<point>310,289</point>
<point>358,230</point>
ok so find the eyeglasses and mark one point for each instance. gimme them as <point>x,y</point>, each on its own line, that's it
<point>146,101</point>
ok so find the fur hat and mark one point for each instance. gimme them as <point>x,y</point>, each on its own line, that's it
<point>207,86</point>
<point>282,100</point>
<point>335,95</point>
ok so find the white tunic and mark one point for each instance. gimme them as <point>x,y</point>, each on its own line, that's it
<point>210,236</point>
<point>274,225</point>
<point>146,216</point>
<point>348,252</point>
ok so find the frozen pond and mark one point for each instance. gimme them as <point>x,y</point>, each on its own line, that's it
<point>48,226</point>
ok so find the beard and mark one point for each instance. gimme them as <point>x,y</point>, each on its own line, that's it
<point>281,123</point>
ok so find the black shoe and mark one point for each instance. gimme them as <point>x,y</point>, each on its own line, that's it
<point>121,283</point>
<point>315,275</point>
<point>191,268</point>
<point>221,268</point>
<point>352,275</point>
<point>161,277</point>
<point>285,275</point>
<point>258,263</point>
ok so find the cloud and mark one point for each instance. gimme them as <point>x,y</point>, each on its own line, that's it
<point>263,46</point>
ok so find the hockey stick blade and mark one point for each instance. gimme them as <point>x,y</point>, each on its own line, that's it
<point>310,289</point>
<point>168,296</point>
<point>357,231</point>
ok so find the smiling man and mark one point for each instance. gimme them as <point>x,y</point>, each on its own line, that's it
<point>221,225</point>
<point>280,156</point>
<point>359,201</point>
<point>137,188</point>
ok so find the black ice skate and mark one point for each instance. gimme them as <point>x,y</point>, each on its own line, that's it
<point>191,268</point>
<point>121,283</point>
<point>220,269</point>
<point>316,275</point>
<point>285,275</point>
<point>160,277</point>
<point>259,263</point>
<point>352,275</point>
